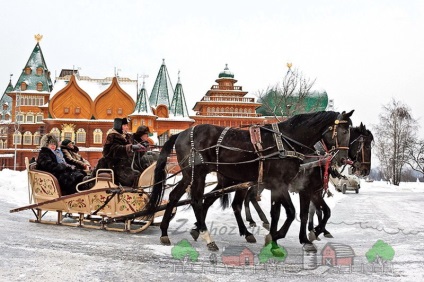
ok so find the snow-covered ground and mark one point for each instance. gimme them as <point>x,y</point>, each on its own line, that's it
<point>35,252</point>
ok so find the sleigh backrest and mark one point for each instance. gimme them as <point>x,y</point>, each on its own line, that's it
<point>43,185</point>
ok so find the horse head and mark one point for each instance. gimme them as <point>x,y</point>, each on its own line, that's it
<point>337,138</point>
<point>360,150</point>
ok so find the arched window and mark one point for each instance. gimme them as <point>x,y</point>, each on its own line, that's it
<point>39,86</point>
<point>19,117</point>
<point>39,118</point>
<point>27,138</point>
<point>39,71</point>
<point>1,144</point>
<point>68,131</point>
<point>81,136</point>
<point>36,138</point>
<point>97,136</point>
<point>28,70</point>
<point>17,138</point>
<point>30,117</point>
<point>56,132</point>
<point>23,86</point>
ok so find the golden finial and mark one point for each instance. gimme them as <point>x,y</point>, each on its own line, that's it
<point>38,37</point>
<point>289,65</point>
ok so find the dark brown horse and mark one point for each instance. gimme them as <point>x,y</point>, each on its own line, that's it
<point>207,148</point>
<point>360,153</point>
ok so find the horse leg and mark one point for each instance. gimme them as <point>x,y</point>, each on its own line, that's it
<point>275,216</point>
<point>195,232</point>
<point>239,197</point>
<point>281,199</point>
<point>247,201</point>
<point>312,211</point>
<point>320,215</point>
<point>251,197</point>
<point>174,197</point>
<point>304,212</point>
<point>320,228</point>
<point>197,190</point>
<point>327,234</point>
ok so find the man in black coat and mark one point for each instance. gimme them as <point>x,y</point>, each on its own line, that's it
<point>118,153</point>
<point>50,159</point>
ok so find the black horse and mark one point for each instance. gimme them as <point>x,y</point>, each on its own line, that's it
<point>308,183</point>
<point>360,153</point>
<point>206,148</point>
<point>311,182</point>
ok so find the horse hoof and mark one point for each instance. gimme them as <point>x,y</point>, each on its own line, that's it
<point>195,234</point>
<point>252,224</point>
<point>250,239</point>
<point>311,236</point>
<point>268,239</point>
<point>266,226</point>
<point>310,248</point>
<point>212,247</point>
<point>328,235</point>
<point>165,241</point>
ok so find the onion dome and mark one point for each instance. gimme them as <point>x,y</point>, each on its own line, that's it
<point>226,73</point>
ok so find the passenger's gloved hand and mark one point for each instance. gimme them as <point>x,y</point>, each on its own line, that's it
<point>138,148</point>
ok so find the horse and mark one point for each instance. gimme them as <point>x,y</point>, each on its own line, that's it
<point>201,149</point>
<point>308,183</point>
<point>360,153</point>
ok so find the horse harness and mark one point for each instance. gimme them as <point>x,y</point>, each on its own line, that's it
<point>256,140</point>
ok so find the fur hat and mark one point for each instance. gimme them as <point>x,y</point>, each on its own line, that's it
<point>65,142</point>
<point>141,130</point>
<point>118,123</point>
<point>48,139</point>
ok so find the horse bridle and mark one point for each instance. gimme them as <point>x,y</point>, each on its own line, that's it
<point>361,150</point>
<point>334,136</point>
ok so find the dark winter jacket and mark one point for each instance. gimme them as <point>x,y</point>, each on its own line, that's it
<point>118,156</point>
<point>72,157</point>
<point>67,176</point>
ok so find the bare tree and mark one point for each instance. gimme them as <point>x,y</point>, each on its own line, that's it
<point>394,135</point>
<point>416,156</point>
<point>289,97</point>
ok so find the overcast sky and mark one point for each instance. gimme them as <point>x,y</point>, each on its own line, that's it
<point>363,53</point>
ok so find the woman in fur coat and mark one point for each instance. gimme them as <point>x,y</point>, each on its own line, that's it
<point>50,159</point>
<point>70,153</point>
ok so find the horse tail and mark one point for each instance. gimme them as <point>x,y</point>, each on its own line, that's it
<point>225,201</point>
<point>160,175</point>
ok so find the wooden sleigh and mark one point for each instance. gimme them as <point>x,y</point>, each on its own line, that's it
<point>91,208</point>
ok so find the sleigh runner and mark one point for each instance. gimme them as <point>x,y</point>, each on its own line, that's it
<point>105,206</point>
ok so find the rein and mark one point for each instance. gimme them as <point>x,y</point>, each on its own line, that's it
<point>361,150</point>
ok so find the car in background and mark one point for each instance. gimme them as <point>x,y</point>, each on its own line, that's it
<point>348,182</point>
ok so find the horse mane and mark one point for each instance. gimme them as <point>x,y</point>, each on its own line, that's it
<point>312,119</point>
